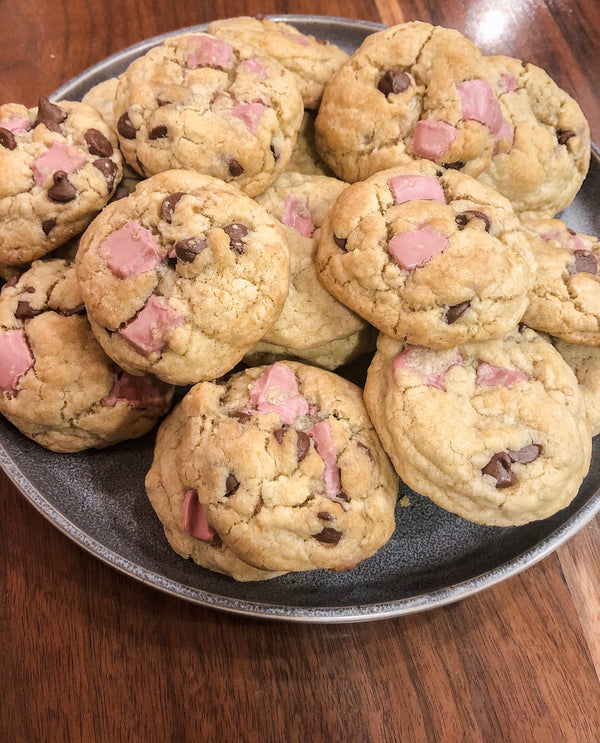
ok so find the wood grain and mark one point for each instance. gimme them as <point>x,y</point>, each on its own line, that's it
<point>91,655</point>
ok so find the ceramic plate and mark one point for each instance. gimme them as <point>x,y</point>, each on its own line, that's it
<point>97,497</point>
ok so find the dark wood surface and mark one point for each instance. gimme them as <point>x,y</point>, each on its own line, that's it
<point>89,654</point>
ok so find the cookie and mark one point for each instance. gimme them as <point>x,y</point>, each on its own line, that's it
<point>60,164</point>
<point>585,362</point>
<point>57,386</point>
<point>312,61</point>
<point>102,96</point>
<point>410,91</point>
<point>219,107</point>
<point>288,468</point>
<point>427,255</point>
<point>495,431</point>
<point>180,512</point>
<point>549,153</point>
<point>313,326</point>
<point>183,276</point>
<point>565,298</point>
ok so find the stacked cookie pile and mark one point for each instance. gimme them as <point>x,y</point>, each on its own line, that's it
<point>250,194</point>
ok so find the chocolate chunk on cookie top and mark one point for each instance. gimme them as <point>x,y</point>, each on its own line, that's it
<point>183,276</point>
<point>494,431</point>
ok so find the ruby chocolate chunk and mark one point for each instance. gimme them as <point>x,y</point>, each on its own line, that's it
<point>7,139</point>
<point>108,169</point>
<point>168,206</point>
<point>499,468</point>
<point>583,262</point>
<point>186,250</point>
<point>235,168</point>
<point>526,454</point>
<point>393,81</point>
<point>48,225</point>
<point>231,484</point>
<point>463,219</point>
<point>97,143</point>
<point>236,234</point>
<point>325,516</point>
<point>564,135</point>
<point>456,310</point>
<point>63,190</point>
<point>125,127</point>
<point>328,535</point>
<point>50,115</point>
<point>158,132</point>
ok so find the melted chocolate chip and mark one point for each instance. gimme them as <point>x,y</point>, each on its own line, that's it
<point>108,168</point>
<point>564,135</point>
<point>325,516</point>
<point>158,132</point>
<point>24,310</point>
<point>343,496</point>
<point>48,225</point>
<point>236,234</point>
<point>302,445</point>
<point>456,310</point>
<point>456,165</point>
<point>499,468</point>
<point>328,536</point>
<point>393,81</point>
<point>231,484</point>
<point>279,434</point>
<point>463,219</point>
<point>235,168</point>
<point>242,416</point>
<point>168,206</point>
<point>7,139</point>
<point>340,242</point>
<point>50,115</point>
<point>526,454</point>
<point>186,250</point>
<point>63,190</point>
<point>97,143</point>
<point>583,262</point>
<point>125,127</point>
<point>162,102</point>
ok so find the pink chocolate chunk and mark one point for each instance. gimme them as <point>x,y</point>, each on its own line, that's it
<point>432,139</point>
<point>416,188</point>
<point>321,435</point>
<point>415,247</point>
<point>15,359</point>
<point>508,82</point>
<point>566,239</point>
<point>15,124</point>
<point>137,392</point>
<point>505,132</point>
<point>276,391</point>
<point>255,66</point>
<point>147,333</point>
<point>130,251</point>
<point>430,365</point>
<point>480,104</point>
<point>57,157</point>
<point>492,376</point>
<point>296,214</point>
<point>195,522</point>
<point>210,53</point>
<point>249,113</point>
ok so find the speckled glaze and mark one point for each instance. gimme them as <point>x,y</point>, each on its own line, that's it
<point>434,558</point>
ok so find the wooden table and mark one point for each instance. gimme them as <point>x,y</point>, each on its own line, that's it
<point>90,654</point>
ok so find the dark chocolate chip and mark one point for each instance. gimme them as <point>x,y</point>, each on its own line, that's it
<point>340,242</point>
<point>526,454</point>
<point>328,535</point>
<point>97,143</point>
<point>168,206</point>
<point>242,416</point>
<point>125,127</point>
<point>62,190</point>
<point>158,132</point>
<point>302,445</point>
<point>499,468</point>
<point>231,484</point>
<point>456,310</point>
<point>48,225</point>
<point>50,115</point>
<point>279,434</point>
<point>186,250</point>
<point>463,219</point>
<point>325,516</point>
<point>393,81</point>
<point>7,139</point>
<point>108,168</point>
<point>235,168</point>
<point>162,102</point>
<point>24,310</point>
<point>583,262</point>
<point>570,231</point>
<point>343,496</point>
<point>236,234</point>
<point>564,135</point>
<point>456,165</point>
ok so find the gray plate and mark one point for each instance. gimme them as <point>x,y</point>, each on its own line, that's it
<point>97,497</point>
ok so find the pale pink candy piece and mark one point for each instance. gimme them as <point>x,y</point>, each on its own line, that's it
<point>296,214</point>
<point>137,392</point>
<point>416,187</point>
<point>432,139</point>
<point>276,391</point>
<point>321,435</point>
<point>130,251</point>
<point>508,82</point>
<point>505,132</point>
<point>255,66</point>
<point>415,247</point>
<point>298,39</point>
<point>494,376</point>
<point>15,124</point>
<point>566,240</point>
<point>210,53</point>
<point>15,359</point>
<point>428,364</point>
<point>480,104</point>
<point>195,522</point>
<point>57,157</point>
<point>147,333</point>
<point>249,113</point>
